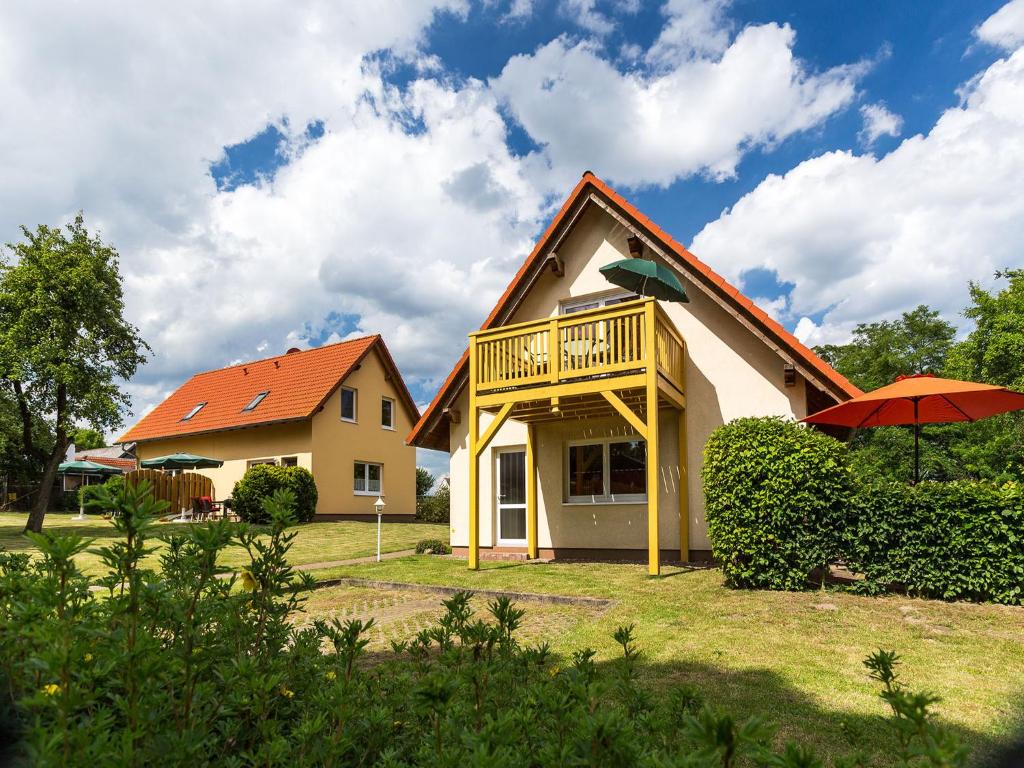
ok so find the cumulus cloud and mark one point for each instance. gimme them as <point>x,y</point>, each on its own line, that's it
<point>864,238</point>
<point>1005,28</point>
<point>693,114</point>
<point>878,122</point>
<point>693,28</point>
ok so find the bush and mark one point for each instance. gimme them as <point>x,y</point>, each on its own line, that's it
<point>433,547</point>
<point>775,499</point>
<point>961,540</point>
<point>184,668</point>
<point>435,508</point>
<point>260,482</point>
<point>88,493</point>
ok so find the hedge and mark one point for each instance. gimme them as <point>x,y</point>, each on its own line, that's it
<point>87,493</point>
<point>259,483</point>
<point>960,540</point>
<point>775,498</point>
<point>435,508</point>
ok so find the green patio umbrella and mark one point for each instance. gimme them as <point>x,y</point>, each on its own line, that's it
<point>86,469</point>
<point>646,278</point>
<point>181,461</point>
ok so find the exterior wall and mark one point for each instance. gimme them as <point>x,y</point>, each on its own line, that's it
<point>729,373</point>
<point>235,448</point>
<point>337,445</point>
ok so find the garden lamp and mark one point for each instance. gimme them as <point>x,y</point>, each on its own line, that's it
<point>378,506</point>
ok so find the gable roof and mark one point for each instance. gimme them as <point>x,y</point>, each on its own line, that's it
<point>125,465</point>
<point>593,191</point>
<point>297,383</point>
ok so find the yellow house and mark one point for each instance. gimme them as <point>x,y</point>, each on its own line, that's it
<point>572,383</point>
<point>340,411</point>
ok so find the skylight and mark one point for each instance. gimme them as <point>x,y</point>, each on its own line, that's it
<point>256,401</point>
<point>194,411</point>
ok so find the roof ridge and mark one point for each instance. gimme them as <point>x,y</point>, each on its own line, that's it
<point>285,354</point>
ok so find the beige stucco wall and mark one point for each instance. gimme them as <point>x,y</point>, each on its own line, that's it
<point>729,373</point>
<point>337,445</point>
<point>235,448</point>
<point>325,445</point>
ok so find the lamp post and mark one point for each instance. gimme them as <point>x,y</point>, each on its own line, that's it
<point>378,505</point>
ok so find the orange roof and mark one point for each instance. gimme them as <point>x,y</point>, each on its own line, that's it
<point>125,465</point>
<point>297,384</point>
<point>695,269</point>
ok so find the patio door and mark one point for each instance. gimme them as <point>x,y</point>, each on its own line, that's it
<point>511,502</point>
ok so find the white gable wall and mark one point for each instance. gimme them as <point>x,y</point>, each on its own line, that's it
<point>729,373</point>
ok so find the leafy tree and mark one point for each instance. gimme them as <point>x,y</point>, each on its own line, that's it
<point>424,482</point>
<point>64,342</point>
<point>994,351</point>
<point>86,439</point>
<point>918,342</point>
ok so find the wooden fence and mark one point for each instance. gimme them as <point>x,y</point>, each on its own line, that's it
<point>178,490</point>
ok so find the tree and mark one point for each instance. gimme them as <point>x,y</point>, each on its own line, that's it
<point>424,482</point>
<point>86,439</point>
<point>994,351</point>
<point>64,342</point>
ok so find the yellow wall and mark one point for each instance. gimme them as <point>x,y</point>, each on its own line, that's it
<point>325,445</point>
<point>235,448</point>
<point>729,373</point>
<point>338,444</point>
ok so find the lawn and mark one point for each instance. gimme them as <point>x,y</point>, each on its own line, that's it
<point>315,543</point>
<point>792,657</point>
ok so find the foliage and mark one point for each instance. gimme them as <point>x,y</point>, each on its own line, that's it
<point>64,342</point>
<point>433,547</point>
<point>262,481</point>
<point>86,439</point>
<point>88,495</point>
<point>424,482</point>
<point>435,508</point>
<point>17,465</point>
<point>956,541</point>
<point>994,351</point>
<point>775,496</point>
<point>188,668</point>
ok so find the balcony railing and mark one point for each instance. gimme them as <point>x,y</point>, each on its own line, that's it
<point>597,342</point>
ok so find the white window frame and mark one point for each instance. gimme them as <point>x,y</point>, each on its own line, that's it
<point>194,411</point>
<point>594,301</point>
<point>293,461</point>
<point>366,478</point>
<point>255,462</point>
<point>607,497</point>
<point>256,401</point>
<point>355,405</point>
<point>390,426</point>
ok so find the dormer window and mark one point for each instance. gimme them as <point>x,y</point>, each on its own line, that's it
<point>256,401</point>
<point>194,411</point>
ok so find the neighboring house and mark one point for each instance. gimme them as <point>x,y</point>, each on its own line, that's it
<point>340,410</point>
<point>549,414</point>
<point>120,456</point>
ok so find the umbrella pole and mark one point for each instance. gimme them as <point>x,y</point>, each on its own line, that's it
<point>917,445</point>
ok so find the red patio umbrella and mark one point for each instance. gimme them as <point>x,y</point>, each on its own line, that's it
<point>920,399</point>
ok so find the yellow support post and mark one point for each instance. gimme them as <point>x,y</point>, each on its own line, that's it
<point>653,457</point>
<point>684,493</point>
<point>474,464</point>
<point>531,492</point>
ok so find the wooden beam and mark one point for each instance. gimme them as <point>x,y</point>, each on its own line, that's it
<point>653,459</point>
<point>566,389</point>
<point>473,560</point>
<point>684,493</point>
<point>493,427</point>
<point>531,492</point>
<point>627,413</point>
<point>671,393</point>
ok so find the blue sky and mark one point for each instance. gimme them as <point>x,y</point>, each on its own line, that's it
<point>295,173</point>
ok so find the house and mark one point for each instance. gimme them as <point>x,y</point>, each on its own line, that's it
<point>120,456</point>
<point>340,410</point>
<point>572,383</point>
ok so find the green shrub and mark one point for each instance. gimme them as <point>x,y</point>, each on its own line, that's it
<point>433,547</point>
<point>775,498</point>
<point>87,493</point>
<point>961,540</point>
<point>435,508</point>
<point>186,667</point>
<point>260,482</point>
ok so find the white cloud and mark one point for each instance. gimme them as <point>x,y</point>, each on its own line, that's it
<point>693,28</point>
<point>878,122</point>
<point>584,13</point>
<point>699,115</point>
<point>1005,28</point>
<point>864,238</point>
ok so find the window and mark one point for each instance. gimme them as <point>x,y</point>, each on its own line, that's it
<point>572,306</point>
<point>193,412</point>
<point>289,461</point>
<point>368,478</point>
<point>387,413</point>
<point>613,470</point>
<point>255,401</point>
<point>256,462</point>
<point>348,404</point>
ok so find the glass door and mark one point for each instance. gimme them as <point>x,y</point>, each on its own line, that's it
<point>511,487</point>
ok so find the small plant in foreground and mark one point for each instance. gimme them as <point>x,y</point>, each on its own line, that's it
<point>432,547</point>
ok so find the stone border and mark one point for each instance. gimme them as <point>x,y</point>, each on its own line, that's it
<point>591,602</point>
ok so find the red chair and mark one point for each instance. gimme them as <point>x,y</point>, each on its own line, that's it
<point>210,509</point>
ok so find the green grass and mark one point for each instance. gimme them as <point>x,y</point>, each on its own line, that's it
<point>792,657</point>
<point>315,543</point>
